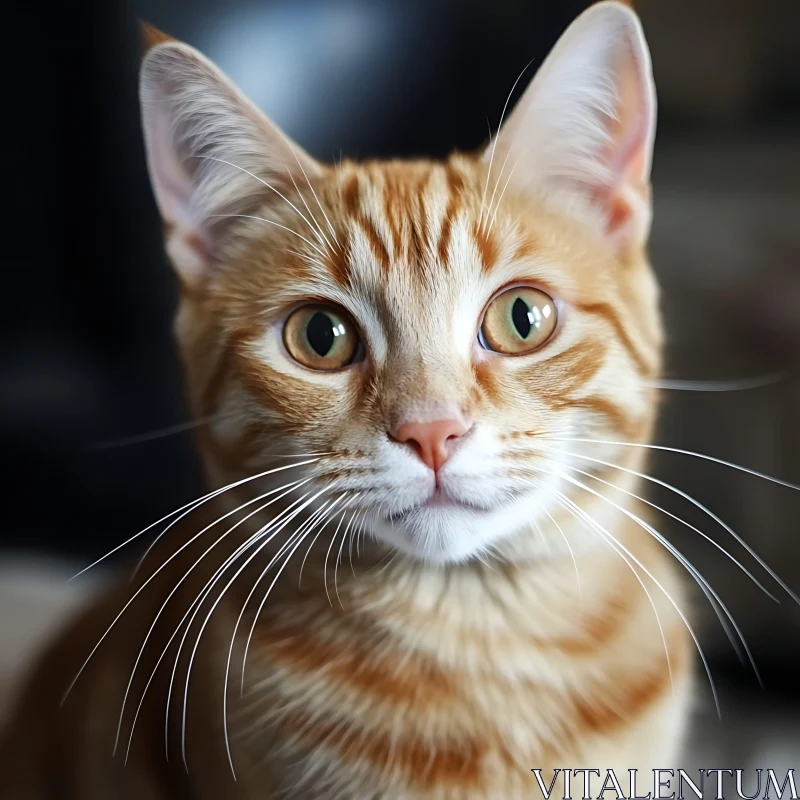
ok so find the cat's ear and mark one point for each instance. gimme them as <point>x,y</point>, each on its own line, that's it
<point>582,133</point>
<point>211,153</point>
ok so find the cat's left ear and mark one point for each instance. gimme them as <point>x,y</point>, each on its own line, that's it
<point>582,133</point>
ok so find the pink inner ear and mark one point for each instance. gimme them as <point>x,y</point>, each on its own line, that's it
<point>627,169</point>
<point>191,253</point>
<point>627,153</point>
<point>172,186</point>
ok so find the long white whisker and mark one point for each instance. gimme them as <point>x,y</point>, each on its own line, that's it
<point>494,141</point>
<point>621,550</point>
<point>678,450</point>
<point>157,571</point>
<point>311,213</point>
<point>678,519</point>
<point>355,533</point>
<point>741,385</point>
<point>272,222</point>
<point>305,557</point>
<point>569,547</point>
<point>161,535</point>
<point>289,513</point>
<point>321,515</point>
<point>203,594</point>
<point>497,184</point>
<point>327,555</point>
<point>339,561</point>
<point>310,186</point>
<point>703,508</point>
<point>191,505</point>
<point>705,587</point>
<point>158,433</point>
<point>269,186</point>
<point>502,194</point>
<point>211,611</point>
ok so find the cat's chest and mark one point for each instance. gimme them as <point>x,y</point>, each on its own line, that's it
<point>396,723</point>
<point>457,698</point>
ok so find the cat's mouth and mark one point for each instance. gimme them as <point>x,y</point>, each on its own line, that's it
<point>439,500</point>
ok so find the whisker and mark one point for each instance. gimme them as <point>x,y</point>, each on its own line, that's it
<point>269,186</point>
<point>569,547</point>
<point>678,519</point>
<point>494,141</point>
<point>330,227</point>
<point>321,515</point>
<point>701,581</point>
<point>311,213</point>
<point>271,222</point>
<point>155,541</point>
<point>204,593</point>
<point>703,456</point>
<point>313,541</point>
<point>496,185</point>
<point>354,535</point>
<point>502,193</point>
<point>191,506</point>
<point>214,605</point>
<point>704,585</point>
<point>740,385</point>
<point>288,489</point>
<point>339,561</point>
<point>144,585</point>
<point>587,519</point>
<point>290,514</point>
<point>327,555</point>
<point>158,433</point>
<point>699,505</point>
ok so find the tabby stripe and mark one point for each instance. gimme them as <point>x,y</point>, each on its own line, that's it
<point>393,211</point>
<point>375,241</point>
<point>420,680</point>
<point>607,312</point>
<point>455,183</point>
<point>487,246</point>
<point>424,764</point>
<point>627,699</point>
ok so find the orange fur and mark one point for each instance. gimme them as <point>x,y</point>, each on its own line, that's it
<point>438,674</point>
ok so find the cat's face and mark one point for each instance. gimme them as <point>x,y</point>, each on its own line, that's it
<point>430,329</point>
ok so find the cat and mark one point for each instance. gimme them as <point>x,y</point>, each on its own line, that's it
<point>419,573</point>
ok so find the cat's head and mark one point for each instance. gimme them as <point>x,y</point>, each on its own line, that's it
<point>432,328</point>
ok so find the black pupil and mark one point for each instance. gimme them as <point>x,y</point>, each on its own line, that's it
<point>520,316</point>
<point>319,333</point>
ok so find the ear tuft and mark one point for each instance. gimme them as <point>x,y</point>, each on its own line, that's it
<point>582,133</point>
<point>151,36</point>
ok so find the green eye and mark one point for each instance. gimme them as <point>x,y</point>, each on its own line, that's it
<point>321,337</point>
<point>518,321</point>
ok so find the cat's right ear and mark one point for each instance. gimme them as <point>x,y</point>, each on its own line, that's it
<point>211,153</point>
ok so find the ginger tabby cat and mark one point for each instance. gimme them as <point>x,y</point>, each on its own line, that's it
<point>414,578</point>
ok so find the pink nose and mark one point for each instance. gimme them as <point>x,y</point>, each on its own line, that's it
<point>432,440</point>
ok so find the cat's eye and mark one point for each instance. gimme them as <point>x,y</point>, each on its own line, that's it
<point>518,321</point>
<point>321,337</point>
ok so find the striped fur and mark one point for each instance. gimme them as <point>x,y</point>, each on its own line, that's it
<point>507,632</point>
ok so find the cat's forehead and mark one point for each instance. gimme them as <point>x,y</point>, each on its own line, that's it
<point>417,246</point>
<point>412,249</point>
<point>419,231</point>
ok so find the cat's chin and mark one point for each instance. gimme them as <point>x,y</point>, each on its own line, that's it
<point>448,532</point>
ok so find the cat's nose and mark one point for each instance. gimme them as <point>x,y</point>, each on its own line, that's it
<point>432,441</point>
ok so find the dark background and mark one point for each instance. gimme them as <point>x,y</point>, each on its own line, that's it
<point>86,354</point>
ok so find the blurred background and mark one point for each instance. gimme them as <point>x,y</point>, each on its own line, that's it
<point>88,376</point>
